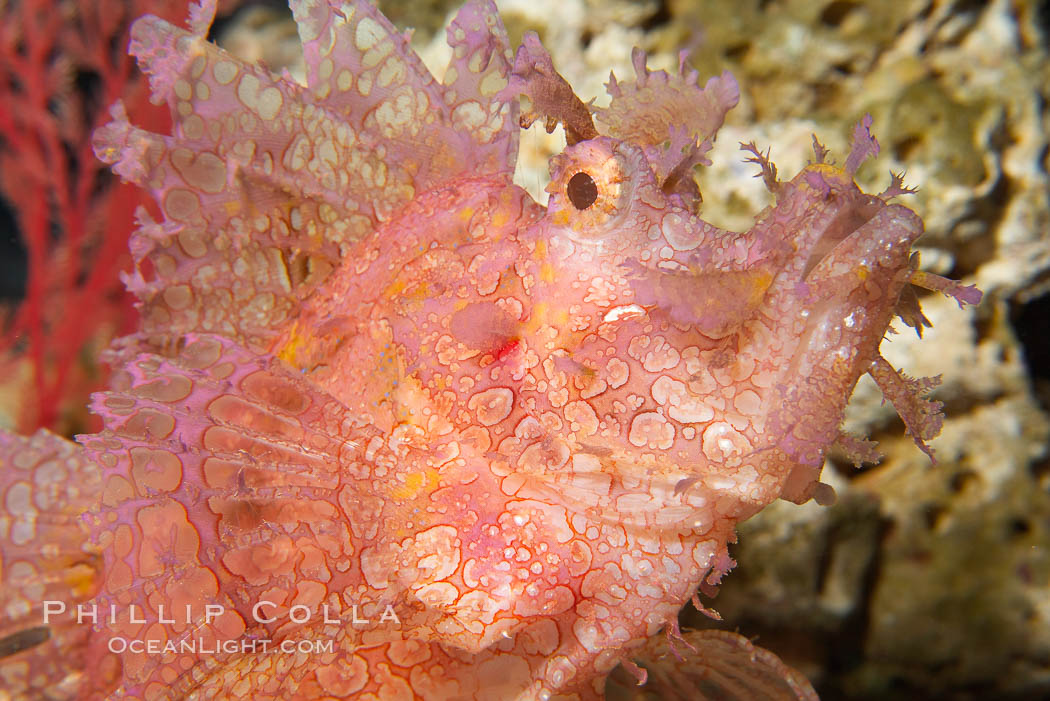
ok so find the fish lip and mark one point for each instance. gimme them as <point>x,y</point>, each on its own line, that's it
<point>880,242</point>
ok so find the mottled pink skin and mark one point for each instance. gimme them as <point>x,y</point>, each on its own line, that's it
<point>46,483</point>
<point>373,370</point>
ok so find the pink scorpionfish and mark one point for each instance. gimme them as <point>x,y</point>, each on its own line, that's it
<point>382,400</point>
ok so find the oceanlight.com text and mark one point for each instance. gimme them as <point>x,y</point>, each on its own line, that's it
<point>120,645</point>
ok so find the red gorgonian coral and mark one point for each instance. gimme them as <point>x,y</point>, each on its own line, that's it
<point>62,63</point>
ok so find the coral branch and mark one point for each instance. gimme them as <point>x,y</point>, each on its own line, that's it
<point>68,211</point>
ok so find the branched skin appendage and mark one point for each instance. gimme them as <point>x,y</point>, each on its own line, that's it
<point>376,382</point>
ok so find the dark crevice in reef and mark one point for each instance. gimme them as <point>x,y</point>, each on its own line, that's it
<point>427,17</point>
<point>224,22</point>
<point>818,616</point>
<point>659,18</point>
<point>843,467</point>
<point>1030,322</point>
<point>891,428</point>
<point>960,404</point>
<point>968,9</point>
<point>1041,471</point>
<point>1042,20</point>
<point>985,326</point>
<point>985,218</point>
<point>835,13</point>
<point>846,645</point>
<point>735,53</point>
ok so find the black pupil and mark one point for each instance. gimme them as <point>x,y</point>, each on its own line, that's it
<point>582,191</point>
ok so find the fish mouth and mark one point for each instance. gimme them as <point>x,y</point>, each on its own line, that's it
<point>864,236</point>
<point>848,222</point>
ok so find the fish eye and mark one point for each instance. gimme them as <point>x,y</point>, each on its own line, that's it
<point>581,190</point>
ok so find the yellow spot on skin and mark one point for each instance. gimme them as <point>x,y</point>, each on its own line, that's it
<point>267,103</point>
<point>652,430</point>
<point>547,272</point>
<point>324,71</point>
<point>183,91</point>
<point>224,72</point>
<point>345,136</point>
<point>540,316</point>
<point>327,213</point>
<point>296,343</point>
<point>415,484</point>
<point>373,57</point>
<point>492,84</point>
<point>248,90</point>
<point>368,33</point>
<point>396,115</point>
<point>393,71</point>
<point>831,175</point>
<point>198,66</point>
<point>178,297</point>
<point>80,580</point>
<point>191,241</point>
<point>326,152</point>
<point>155,470</point>
<point>364,84</point>
<point>748,402</point>
<point>721,441</point>
<point>204,171</point>
<point>492,405</point>
<point>500,219</point>
<point>181,204</point>
<point>270,102</point>
<point>193,127</point>
<point>394,289</point>
<point>469,116</point>
<point>344,80</point>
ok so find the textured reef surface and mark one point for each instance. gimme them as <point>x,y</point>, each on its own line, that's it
<point>381,396</point>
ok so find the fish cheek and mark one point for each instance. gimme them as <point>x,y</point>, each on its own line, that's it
<point>485,327</point>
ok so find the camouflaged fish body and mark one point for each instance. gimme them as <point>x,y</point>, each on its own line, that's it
<point>374,376</point>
